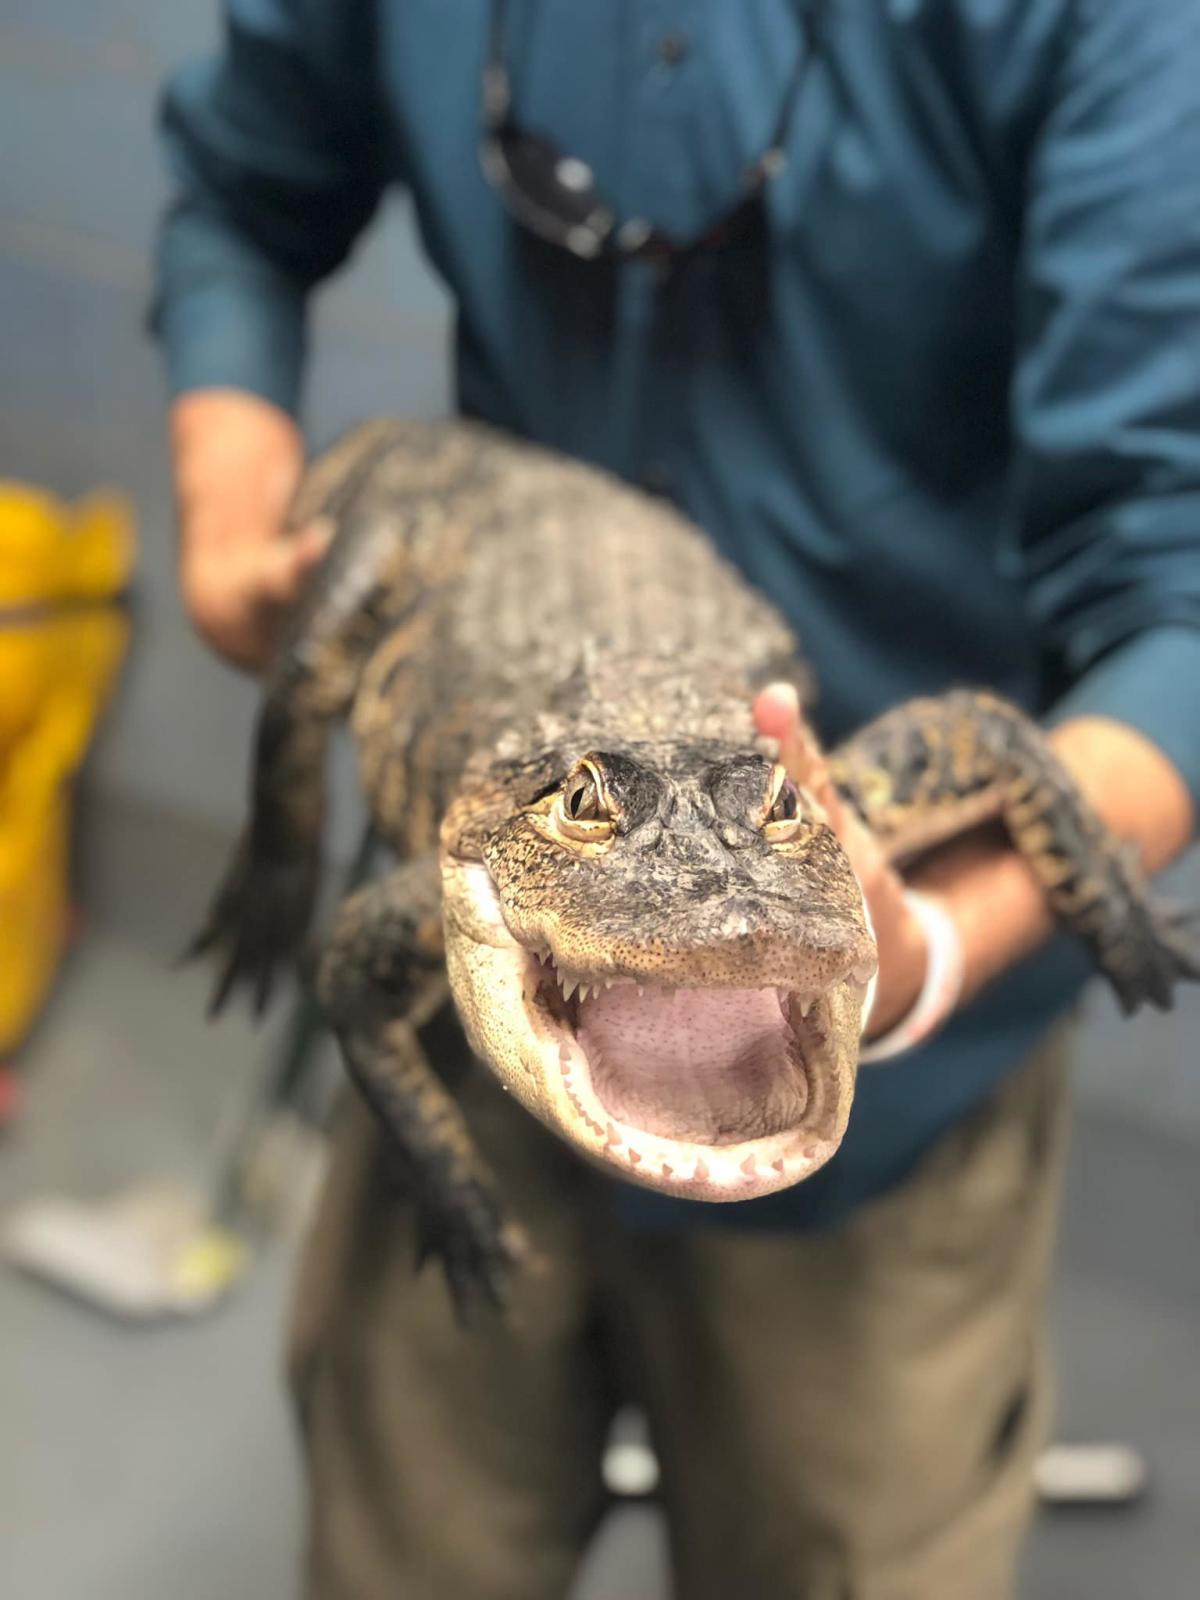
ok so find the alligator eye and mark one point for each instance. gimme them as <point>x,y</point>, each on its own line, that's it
<point>783,820</point>
<point>581,797</point>
<point>787,803</point>
<point>581,811</point>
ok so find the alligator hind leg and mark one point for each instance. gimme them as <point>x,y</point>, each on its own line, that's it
<point>259,918</point>
<point>932,768</point>
<point>382,977</point>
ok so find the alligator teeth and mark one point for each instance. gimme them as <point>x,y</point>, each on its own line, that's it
<point>575,983</point>
<point>634,1155</point>
<point>778,1165</point>
<point>701,1173</point>
<point>667,1172</point>
<point>806,1002</point>
<point>614,1137</point>
<point>750,1165</point>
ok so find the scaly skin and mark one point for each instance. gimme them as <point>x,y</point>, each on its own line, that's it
<point>652,937</point>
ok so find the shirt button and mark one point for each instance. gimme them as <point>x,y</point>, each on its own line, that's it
<point>672,48</point>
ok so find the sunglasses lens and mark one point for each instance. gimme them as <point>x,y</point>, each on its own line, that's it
<point>555,196</point>
<point>559,185</point>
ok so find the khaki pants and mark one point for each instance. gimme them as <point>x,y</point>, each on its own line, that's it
<point>848,1415</point>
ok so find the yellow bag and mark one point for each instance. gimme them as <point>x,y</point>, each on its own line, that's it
<point>64,575</point>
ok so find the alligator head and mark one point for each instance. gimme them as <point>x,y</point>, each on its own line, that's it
<point>661,950</point>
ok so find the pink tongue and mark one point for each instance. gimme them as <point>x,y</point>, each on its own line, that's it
<point>692,1063</point>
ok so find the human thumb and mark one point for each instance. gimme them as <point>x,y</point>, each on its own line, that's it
<point>285,563</point>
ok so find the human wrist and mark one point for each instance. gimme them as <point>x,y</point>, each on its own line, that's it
<point>940,989</point>
<point>903,960</point>
<point>237,460</point>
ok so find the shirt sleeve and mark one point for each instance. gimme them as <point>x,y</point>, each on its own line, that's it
<point>275,151</point>
<point>1106,392</point>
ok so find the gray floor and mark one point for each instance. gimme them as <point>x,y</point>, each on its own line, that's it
<point>141,1463</point>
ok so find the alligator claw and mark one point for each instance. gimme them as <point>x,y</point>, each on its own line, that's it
<point>478,1248</point>
<point>257,924</point>
<point>1163,945</point>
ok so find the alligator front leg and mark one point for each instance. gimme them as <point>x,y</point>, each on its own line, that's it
<point>932,768</point>
<point>382,977</point>
<point>260,916</point>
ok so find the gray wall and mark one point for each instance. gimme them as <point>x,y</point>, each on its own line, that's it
<point>81,400</point>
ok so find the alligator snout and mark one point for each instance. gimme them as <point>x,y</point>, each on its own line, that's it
<point>719,944</point>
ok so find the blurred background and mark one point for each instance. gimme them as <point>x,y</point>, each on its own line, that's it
<point>141,1457</point>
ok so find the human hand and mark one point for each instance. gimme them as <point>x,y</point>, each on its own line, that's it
<point>238,460</point>
<point>899,935</point>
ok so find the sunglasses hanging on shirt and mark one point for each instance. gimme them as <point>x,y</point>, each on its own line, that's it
<point>554,195</point>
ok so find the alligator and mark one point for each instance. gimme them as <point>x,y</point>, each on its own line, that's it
<point>651,933</point>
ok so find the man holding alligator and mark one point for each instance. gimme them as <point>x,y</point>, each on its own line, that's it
<point>900,303</point>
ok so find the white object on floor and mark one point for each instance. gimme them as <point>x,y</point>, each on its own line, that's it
<point>150,1251</point>
<point>1090,1475</point>
<point>630,1469</point>
<point>282,1174</point>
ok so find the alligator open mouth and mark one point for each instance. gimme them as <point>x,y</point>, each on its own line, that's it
<point>717,1091</point>
<point>712,1089</point>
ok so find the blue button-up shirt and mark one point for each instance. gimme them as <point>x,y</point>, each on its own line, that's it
<point>944,408</point>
